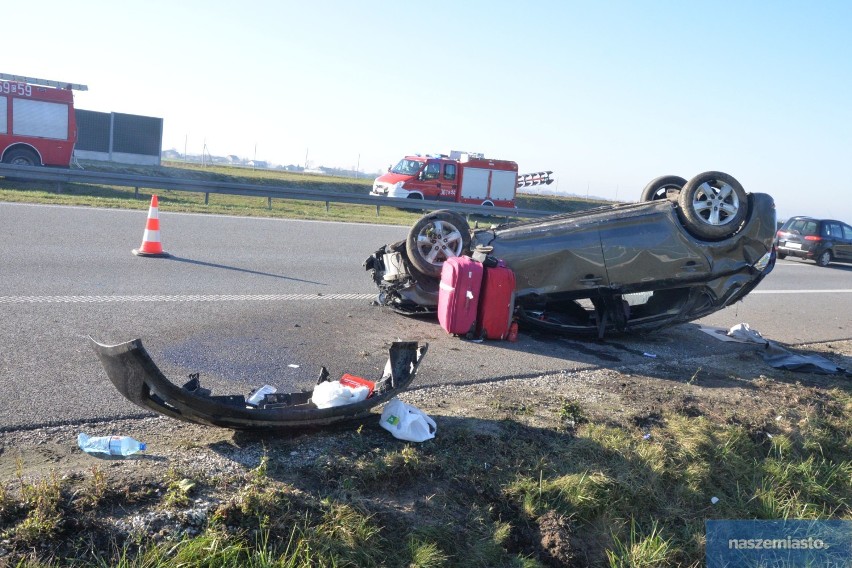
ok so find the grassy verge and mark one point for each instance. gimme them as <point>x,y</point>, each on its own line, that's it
<point>573,490</point>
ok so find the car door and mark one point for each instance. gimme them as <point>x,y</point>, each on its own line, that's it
<point>449,183</point>
<point>846,245</point>
<point>555,256</point>
<point>646,247</point>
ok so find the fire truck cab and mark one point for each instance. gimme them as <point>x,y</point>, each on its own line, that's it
<point>460,177</point>
<point>37,123</point>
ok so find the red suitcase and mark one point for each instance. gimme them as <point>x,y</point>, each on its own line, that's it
<point>496,303</point>
<point>458,296</point>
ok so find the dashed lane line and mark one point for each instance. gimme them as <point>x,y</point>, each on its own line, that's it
<point>841,291</point>
<point>263,297</point>
<point>182,298</point>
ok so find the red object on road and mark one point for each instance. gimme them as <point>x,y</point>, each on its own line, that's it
<point>496,303</point>
<point>354,382</point>
<point>458,295</point>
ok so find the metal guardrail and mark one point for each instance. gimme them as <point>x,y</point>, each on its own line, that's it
<point>270,192</point>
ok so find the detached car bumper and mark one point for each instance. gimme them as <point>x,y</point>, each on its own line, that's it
<point>136,376</point>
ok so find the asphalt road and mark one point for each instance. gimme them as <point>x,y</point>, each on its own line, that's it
<point>251,301</point>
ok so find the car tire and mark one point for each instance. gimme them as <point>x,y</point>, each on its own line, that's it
<point>21,157</point>
<point>661,187</point>
<point>824,258</point>
<point>435,237</point>
<point>712,206</point>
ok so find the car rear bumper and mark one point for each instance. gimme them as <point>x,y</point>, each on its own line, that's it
<point>799,253</point>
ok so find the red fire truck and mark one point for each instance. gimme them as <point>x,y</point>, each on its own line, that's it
<point>461,177</point>
<point>37,125</point>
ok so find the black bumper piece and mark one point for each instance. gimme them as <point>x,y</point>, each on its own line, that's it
<point>137,377</point>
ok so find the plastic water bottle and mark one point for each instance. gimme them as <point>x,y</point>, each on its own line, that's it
<point>112,445</point>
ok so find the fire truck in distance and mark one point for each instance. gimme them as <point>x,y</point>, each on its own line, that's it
<point>37,124</point>
<point>461,177</point>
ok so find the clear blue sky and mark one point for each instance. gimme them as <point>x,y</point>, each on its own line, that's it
<point>608,95</point>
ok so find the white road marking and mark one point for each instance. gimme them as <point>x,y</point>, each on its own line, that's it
<point>800,291</point>
<point>181,298</point>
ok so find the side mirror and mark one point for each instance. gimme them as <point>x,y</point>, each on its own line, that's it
<point>390,167</point>
<point>421,175</point>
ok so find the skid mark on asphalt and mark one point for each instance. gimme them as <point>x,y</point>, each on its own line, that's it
<point>182,298</point>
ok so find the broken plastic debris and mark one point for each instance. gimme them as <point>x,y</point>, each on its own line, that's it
<point>258,395</point>
<point>292,366</point>
<point>647,436</point>
<point>714,500</point>
<point>651,355</point>
<point>778,357</point>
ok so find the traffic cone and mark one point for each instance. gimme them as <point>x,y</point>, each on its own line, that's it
<point>151,245</point>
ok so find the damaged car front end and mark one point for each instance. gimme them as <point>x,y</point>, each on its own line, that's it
<point>677,257</point>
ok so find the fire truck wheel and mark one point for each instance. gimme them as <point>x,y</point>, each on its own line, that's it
<point>661,187</point>
<point>21,157</point>
<point>434,238</point>
<point>416,197</point>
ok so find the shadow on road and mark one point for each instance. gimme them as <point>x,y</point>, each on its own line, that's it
<point>246,270</point>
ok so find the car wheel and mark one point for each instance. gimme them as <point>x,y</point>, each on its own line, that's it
<point>21,157</point>
<point>712,205</point>
<point>824,258</point>
<point>436,237</point>
<point>661,187</point>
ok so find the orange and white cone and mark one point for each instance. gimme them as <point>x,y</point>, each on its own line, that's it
<point>151,245</point>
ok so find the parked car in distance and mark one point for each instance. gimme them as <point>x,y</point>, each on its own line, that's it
<point>822,240</point>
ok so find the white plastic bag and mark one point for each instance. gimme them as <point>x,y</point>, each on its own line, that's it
<point>407,422</point>
<point>332,393</point>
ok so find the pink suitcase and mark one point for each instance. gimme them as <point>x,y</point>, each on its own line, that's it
<point>458,296</point>
<point>496,303</point>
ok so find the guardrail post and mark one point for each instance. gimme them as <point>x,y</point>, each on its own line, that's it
<point>377,210</point>
<point>59,187</point>
<point>326,206</point>
<point>136,192</point>
<point>206,198</point>
<point>269,203</point>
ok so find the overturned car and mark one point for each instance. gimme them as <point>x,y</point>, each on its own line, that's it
<point>688,249</point>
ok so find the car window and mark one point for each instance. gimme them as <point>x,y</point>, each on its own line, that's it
<point>432,170</point>
<point>449,171</point>
<point>847,232</point>
<point>804,227</point>
<point>832,230</point>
